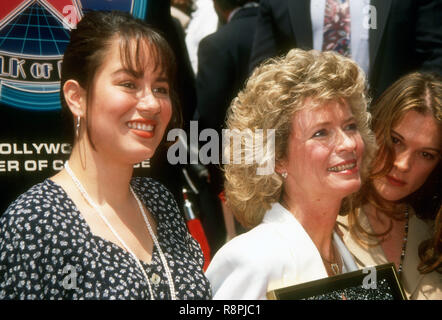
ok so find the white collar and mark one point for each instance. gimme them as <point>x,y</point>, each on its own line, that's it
<point>278,214</point>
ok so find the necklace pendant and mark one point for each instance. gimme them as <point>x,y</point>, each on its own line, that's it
<point>155,279</point>
<point>335,268</point>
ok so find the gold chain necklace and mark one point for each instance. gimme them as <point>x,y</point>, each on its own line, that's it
<point>334,266</point>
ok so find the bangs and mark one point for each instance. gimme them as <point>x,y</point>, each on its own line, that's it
<point>138,53</point>
<point>142,50</point>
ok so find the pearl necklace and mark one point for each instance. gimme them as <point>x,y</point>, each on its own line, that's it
<point>149,228</point>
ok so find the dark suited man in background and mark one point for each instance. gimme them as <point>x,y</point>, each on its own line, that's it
<point>388,38</point>
<point>223,60</point>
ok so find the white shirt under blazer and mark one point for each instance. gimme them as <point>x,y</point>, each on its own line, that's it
<point>275,254</point>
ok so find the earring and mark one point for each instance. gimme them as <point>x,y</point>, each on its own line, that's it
<point>284,174</point>
<point>77,127</point>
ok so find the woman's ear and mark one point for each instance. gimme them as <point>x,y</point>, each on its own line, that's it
<point>280,166</point>
<point>75,97</point>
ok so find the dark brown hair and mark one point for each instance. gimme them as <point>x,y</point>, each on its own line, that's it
<point>91,40</point>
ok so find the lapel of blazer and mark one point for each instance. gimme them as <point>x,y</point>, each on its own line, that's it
<point>418,231</point>
<point>300,18</point>
<point>365,256</point>
<point>371,256</point>
<point>303,262</point>
<point>375,35</point>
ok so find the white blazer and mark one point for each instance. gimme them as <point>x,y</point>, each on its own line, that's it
<point>276,253</point>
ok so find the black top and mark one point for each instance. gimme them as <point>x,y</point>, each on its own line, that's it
<point>47,251</point>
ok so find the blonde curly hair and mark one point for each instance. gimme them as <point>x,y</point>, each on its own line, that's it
<point>276,90</point>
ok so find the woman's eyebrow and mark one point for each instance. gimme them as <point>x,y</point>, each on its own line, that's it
<point>425,148</point>
<point>398,134</point>
<point>136,74</point>
<point>162,79</point>
<point>127,71</point>
<point>326,122</point>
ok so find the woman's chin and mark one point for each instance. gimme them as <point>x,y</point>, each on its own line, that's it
<point>348,188</point>
<point>388,192</point>
<point>139,157</point>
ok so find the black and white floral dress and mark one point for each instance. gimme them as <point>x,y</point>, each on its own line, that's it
<point>47,251</point>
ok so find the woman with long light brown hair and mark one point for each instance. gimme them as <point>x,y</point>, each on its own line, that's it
<point>399,202</point>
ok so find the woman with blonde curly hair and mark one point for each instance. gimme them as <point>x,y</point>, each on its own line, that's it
<point>316,104</point>
<point>396,206</point>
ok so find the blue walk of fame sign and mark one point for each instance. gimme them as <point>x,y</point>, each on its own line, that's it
<point>33,37</point>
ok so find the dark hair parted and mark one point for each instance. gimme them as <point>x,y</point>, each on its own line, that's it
<point>91,40</point>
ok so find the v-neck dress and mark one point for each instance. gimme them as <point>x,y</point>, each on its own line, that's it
<point>47,251</point>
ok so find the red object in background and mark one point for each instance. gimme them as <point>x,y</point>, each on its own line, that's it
<point>196,229</point>
<point>10,7</point>
<point>222,196</point>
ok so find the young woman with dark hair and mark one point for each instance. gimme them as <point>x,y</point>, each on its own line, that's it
<point>92,231</point>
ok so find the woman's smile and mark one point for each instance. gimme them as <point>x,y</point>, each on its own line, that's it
<point>346,167</point>
<point>143,128</point>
